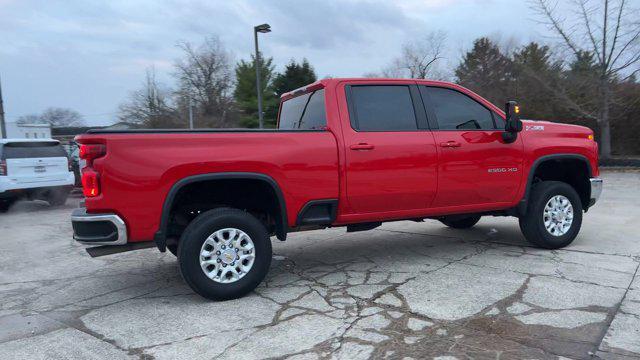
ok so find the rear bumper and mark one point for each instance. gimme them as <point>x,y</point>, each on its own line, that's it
<point>98,229</point>
<point>596,190</point>
<point>33,192</point>
<point>8,183</point>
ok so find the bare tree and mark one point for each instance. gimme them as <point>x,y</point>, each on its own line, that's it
<point>54,116</point>
<point>418,58</point>
<point>205,78</point>
<point>29,119</point>
<point>609,30</point>
<point>150,106</point>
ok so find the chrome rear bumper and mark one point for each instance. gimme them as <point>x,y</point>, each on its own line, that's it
<point>98,229</point>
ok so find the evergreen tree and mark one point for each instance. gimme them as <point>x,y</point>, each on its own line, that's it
<point>536,75</point>
<point>582,73</point>
<point>294,76</point>
<point>246,96</point>
<point>487,71</point>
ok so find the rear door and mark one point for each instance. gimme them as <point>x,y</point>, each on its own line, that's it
<point>35,161</point>
<point>391,159</point>
<point>475,165</point>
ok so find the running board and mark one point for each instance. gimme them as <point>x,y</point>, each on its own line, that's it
<point>105,250</point>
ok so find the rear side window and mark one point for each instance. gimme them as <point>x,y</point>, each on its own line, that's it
<point>304,112</point>
<point>21,150</point>
<point>382,108</point>
<point>456,111</point>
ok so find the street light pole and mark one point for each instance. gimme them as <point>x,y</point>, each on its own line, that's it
<point>264,28</point>
<point>3,127</point>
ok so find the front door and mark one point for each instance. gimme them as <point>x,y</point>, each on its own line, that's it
<point>391,160</point>
<point>475,165</point>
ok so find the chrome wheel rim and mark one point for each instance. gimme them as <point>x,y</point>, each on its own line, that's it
<point>558,215</point>
<point>227,255</point>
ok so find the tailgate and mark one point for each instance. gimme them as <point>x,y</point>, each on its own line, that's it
<point>31,170</point>
<point>34,161</point>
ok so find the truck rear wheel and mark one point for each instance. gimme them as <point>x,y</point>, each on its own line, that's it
<point>554,215</point>
<point>460,222</point>
<point>224,253</point>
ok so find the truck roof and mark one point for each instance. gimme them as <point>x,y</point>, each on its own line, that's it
<point>325,82</point>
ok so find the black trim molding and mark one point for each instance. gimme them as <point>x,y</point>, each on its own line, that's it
<point>318,212</point>
<point>522,206</point>
<point>160,237</point>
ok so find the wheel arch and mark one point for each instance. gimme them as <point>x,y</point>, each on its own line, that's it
<point>541,162</point>
<point>160,237</point>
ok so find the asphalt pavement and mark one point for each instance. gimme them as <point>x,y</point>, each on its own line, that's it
<point>405,290</point>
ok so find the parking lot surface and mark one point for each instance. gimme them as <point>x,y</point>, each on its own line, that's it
<point>404,290</point>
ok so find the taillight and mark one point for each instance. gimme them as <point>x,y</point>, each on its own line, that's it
<point>69,164</point>
<point>3,168</point>
<point>92,151</point>
<point>90,183</point>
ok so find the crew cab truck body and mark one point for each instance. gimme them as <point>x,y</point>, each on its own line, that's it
<point>347,152</point>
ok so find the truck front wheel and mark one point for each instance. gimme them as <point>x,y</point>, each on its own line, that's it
<point>224,253</point>
<point>554,215</point>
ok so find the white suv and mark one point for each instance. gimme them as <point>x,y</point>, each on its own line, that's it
<point>34,169</point>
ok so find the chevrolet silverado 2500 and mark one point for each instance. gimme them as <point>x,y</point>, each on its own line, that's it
<point>347,152</point>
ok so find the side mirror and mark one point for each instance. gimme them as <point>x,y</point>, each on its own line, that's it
<point>513,123</point>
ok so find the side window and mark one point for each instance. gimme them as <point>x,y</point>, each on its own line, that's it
<point>304,112</point>
<point>314,116</point>
<point>382,108</point>
<point>456,111</point>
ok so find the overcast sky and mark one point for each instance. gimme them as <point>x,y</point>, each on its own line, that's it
<point>89,55</point>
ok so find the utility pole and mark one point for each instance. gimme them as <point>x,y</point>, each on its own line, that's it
<point>3,127</point>
<point>264,28</point>
<point>190,113</point>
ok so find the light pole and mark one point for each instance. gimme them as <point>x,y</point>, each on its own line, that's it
<point>3,128</point>
<point>264,28</point>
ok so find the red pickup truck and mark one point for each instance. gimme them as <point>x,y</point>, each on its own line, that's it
<point>347,152</point>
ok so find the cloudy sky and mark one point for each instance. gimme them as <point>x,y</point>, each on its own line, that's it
<point>89,55</point>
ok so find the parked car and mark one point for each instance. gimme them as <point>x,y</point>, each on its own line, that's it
<point>34,169</point>
<point>347,152</point>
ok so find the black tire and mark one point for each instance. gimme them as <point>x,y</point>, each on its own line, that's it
<point>173,249</point>
<point>58,197</point>
<point>461,222</point>
<point>195,235</point>
<point>6,204</point>
<point>532,224</point>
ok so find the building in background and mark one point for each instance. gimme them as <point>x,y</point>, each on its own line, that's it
<point>28,131</point>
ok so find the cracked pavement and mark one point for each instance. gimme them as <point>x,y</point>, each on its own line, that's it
<point>404,290</point>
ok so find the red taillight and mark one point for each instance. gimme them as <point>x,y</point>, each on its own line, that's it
<point>92,151</point>
<point>90,183</point>
<point>3,168</point>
